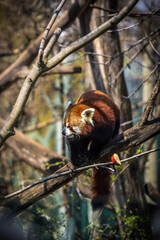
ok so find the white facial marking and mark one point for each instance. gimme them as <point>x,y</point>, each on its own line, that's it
<point>68,132</point>
<point>76,129</point>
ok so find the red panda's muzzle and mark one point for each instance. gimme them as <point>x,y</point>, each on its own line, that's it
<point>68,133</point>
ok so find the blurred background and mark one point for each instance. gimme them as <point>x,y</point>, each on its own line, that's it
<point>123,63</point>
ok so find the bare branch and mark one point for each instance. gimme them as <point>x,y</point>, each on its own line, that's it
<point>150,103</point>
<point>133,45</point>
<point>130,14</point>
<point>151,36</point>
<point>42,125</point>
<point>71,171</point>
<point>139,87</point>
<point>155,50</point>
<point>62,69</point>
<point>37,70</point>
<point>135,55</point>
<point>48,28</point>
<point>91,36</point>
<point>152,192</point>
<point>31,152</point>
<point>52,42</point>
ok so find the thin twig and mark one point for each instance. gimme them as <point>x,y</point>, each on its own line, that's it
<point>71,171</point>
<point>152,34</point>
<point>133,45</point>
<point>44,38</point>
<point>137,89</point>
<point>155,50</point>
<point>130,14</point>
<point>41,125</point>
<point>132,58</point>
<point>126,28</point>
<point>120,173</point>
<point>90,36</point>
<point>52,42</point>
<point>150,103</point>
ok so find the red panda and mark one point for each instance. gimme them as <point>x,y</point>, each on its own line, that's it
<point>89,124</point>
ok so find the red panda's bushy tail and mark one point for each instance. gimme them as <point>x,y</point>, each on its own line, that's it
<point>101,187</point>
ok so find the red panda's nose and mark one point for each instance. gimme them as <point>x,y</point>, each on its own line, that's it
<point>64,131</point>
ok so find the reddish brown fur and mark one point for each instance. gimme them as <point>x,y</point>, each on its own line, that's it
<point>106,126</point>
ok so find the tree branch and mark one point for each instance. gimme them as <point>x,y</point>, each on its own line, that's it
<point>152,192</point>
<point>138,14</point>
<point>41,125</point>
<point>46,32</point>
<point>130,138</point>
<point>9,76</point>
<point>77,170</point>
<point>52,42</point>
<point>32,152</point>
<point>139,87</point>
<point>37,70</point>
<point>91,36</point>
<point>62,69</point>
<point>150,103</point>
<point>135,55</point>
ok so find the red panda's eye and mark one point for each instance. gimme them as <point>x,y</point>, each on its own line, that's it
<point>68,125</point>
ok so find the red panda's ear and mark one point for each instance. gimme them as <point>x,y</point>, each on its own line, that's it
<point>87,115</point>
<point>68,107</point>
<point>69,104</point>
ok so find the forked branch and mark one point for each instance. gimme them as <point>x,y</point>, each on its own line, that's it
<point>37,69</point>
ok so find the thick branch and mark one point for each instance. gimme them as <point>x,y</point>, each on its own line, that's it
<point>130,138</point>
<point>62,69</point>
<point>91,36</point>
<point>30,151</point>
<point>152,192</point>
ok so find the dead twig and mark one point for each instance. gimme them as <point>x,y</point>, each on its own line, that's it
<point>150,103</point>
<point>50,24</point>
<point>139,87</point>
<point>52,42</point>
<point>42,125</point>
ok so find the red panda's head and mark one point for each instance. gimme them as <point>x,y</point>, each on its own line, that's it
<point>78,120</point>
